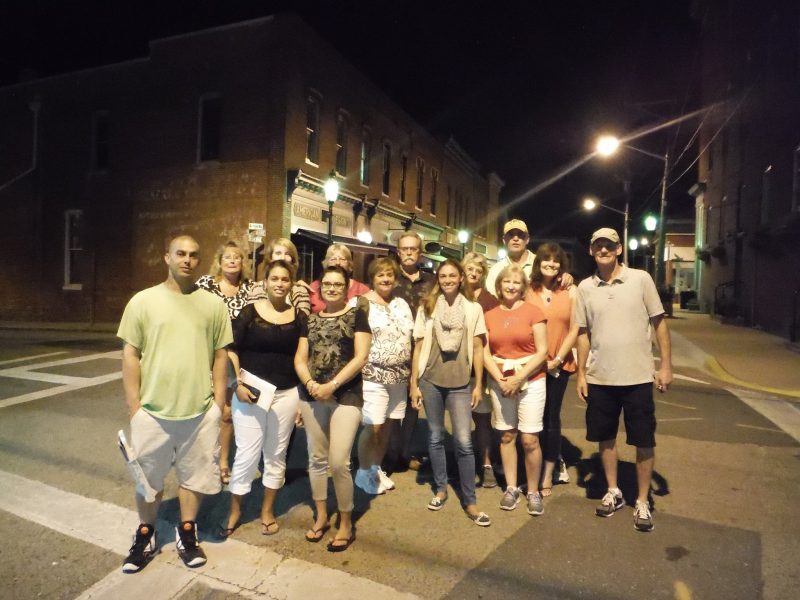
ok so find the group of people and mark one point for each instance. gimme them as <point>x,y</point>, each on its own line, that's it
<point>493,346</point>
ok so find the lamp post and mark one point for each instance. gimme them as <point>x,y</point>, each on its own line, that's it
<point>463,237</point>
<point>608,145</point>
<point>591,204</point>
<point>331,189</point>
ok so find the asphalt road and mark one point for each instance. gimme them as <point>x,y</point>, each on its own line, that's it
<point>725,496</point>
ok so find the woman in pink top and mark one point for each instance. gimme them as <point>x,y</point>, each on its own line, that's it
<point>337,255</point>
<point>557,304</point>
<point>515,360</point>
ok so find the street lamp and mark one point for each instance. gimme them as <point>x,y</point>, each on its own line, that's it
<point>502,253</point>
<point>331,189</point>
<point>650,223</point>
<point>591,204</point>
<point>463,237</point>
<point>608,145</point>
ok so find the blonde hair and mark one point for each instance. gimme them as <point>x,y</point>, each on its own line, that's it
<point>479,260</point>
<point>512,269</point>
<point>344,250</point>
<point>290,248</point>
<point>216,267</point>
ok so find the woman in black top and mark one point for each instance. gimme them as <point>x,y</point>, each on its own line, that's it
<point>265,337</point>
<point>333,349</point>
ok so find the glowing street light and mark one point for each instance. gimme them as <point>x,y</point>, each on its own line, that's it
<point>502,253</point>
<point>364,236</point>
<point>590,204</point>
<point>463,237</point>
<point>633,244</point>
<point>607,145</point>
<point>650,223</point>
<point>331,190</point>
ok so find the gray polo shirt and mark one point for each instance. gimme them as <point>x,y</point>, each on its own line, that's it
<point>617,315</point>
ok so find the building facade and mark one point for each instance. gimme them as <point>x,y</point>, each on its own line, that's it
<point>212,132</point>
<point>748,192</point>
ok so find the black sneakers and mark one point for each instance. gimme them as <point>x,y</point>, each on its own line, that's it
<point>145,547</point>
<point>188,547</point>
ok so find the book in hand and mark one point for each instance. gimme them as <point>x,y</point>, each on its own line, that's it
<point>143,487</point>
<point>265,391</point>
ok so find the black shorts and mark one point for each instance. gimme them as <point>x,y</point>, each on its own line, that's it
<point>604,404</point>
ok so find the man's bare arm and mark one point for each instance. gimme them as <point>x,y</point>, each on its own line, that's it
<point>582,345</point>
<point>664,373</point>
<point>219,376</point>
<point>131,377</point>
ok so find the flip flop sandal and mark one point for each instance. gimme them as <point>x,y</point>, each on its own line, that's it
<point>547,491</point>
<point>265,528</point>
<point>334,547</point>
<point>317,534</point>
<point>226,532</point>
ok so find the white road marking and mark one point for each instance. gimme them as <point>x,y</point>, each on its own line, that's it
<point>33,357</point>
<point>770,429</point>
<point>233,566</point>
<point>784,414</point>
<point>687,378</point>
<point>64,383</point>
<point>672,420</point>
<point>675,404</point>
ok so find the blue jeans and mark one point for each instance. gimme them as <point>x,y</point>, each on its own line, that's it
<point>458,402</point>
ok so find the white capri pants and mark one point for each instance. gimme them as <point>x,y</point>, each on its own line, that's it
<point>382,401</point>
<point>523,412</point>
<point>262,432</point>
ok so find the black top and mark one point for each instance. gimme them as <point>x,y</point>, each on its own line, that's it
<point>331,345</point>
<point>413,291</point>
<point>267,349</point>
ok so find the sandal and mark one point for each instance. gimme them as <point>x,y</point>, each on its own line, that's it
<point>316,534</point>
<point>341,547</point>
<point>226,532</point>
<point>266,528</point>
<point>546,491</point>
<point>436,503</point>
<point>225,475</point>
<point>481,519</point>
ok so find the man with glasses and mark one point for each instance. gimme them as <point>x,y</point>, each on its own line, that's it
<point>412,286</point>
<point>616,309</point>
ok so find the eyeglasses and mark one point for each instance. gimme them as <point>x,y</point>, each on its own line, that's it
<point>336,285</point>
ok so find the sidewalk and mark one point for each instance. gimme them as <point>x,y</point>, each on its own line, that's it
<point>741,356</point>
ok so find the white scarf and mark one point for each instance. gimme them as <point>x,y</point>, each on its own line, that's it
<point>448,323</point>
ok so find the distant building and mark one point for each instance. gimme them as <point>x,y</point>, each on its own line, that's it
<point>748,190</point>
<point>212,131</point>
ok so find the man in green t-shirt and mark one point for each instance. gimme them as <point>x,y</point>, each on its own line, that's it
<point>175,336</point>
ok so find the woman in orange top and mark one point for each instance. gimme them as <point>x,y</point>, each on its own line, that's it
<point>557,304</point>
<point>515,359</point>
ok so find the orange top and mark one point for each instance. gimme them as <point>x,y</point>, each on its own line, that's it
<point>510,332</point>
<point>559,317</point>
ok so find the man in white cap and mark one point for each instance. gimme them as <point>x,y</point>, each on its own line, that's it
<point>516,238</point>
<point>616,310</point>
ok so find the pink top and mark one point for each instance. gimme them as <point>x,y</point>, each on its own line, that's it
<point>559,317</point>
<point>511,332</point>
<point>317,303</point>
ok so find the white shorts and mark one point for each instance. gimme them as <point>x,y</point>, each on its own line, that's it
<point>193,445</point>
<point>382,401</point>
<point>524,412</point>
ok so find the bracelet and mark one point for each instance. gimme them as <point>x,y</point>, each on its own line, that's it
<point>335,384</point>
<point>307,380</point>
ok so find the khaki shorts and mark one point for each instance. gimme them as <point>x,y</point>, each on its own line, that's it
<point>192,445</point>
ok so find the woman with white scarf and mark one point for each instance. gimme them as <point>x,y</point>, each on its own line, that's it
<point>449,333</point>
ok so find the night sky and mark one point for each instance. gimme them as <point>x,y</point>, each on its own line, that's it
<point>524,87</point>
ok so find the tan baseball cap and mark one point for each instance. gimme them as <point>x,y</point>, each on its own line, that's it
<point>515,224</point>
<point>605,233</point>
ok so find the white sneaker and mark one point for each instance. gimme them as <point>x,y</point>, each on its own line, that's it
<point>563,474</point>
<point>368,481</point>
<point>385,482</point>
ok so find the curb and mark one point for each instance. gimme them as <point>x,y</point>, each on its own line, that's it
<point>712,365</point>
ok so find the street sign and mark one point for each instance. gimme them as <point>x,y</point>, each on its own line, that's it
<point>255,226</point>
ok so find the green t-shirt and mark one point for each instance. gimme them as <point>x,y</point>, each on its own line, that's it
<point>177,335</point>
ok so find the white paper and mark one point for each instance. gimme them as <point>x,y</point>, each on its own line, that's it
<point>265,387</point>
<point>143,487</point>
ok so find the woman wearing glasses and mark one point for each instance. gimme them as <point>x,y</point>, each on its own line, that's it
<point>228,278</point>
<point>337,255</point>
<point>333,348</point>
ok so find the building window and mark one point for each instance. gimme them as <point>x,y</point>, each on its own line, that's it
<point>766,196</point>
<point>73,246</point>
<point>449,206</point>
<point>100,141</point>
<point>312,129</point>
<point>210,126</point>
<point>387,168</point>
<point>403,177</point>
<point>420,182</point>
<point>434,189</point>
<point>796,180</point>
<point>341,144</point>
<point>366,143</point>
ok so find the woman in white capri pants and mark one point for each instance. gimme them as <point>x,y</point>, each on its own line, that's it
<point>265,336</point>
<point>385,375</point>
<point>515,360</point>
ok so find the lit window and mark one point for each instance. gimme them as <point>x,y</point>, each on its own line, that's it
<point>363,170</point>
<point>341,144</point>
<point>312,129</point>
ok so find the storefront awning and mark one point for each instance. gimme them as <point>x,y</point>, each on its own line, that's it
<point>354,244</point>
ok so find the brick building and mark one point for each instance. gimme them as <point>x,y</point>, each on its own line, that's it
<point>212,131</point>
<point>748,190</point>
